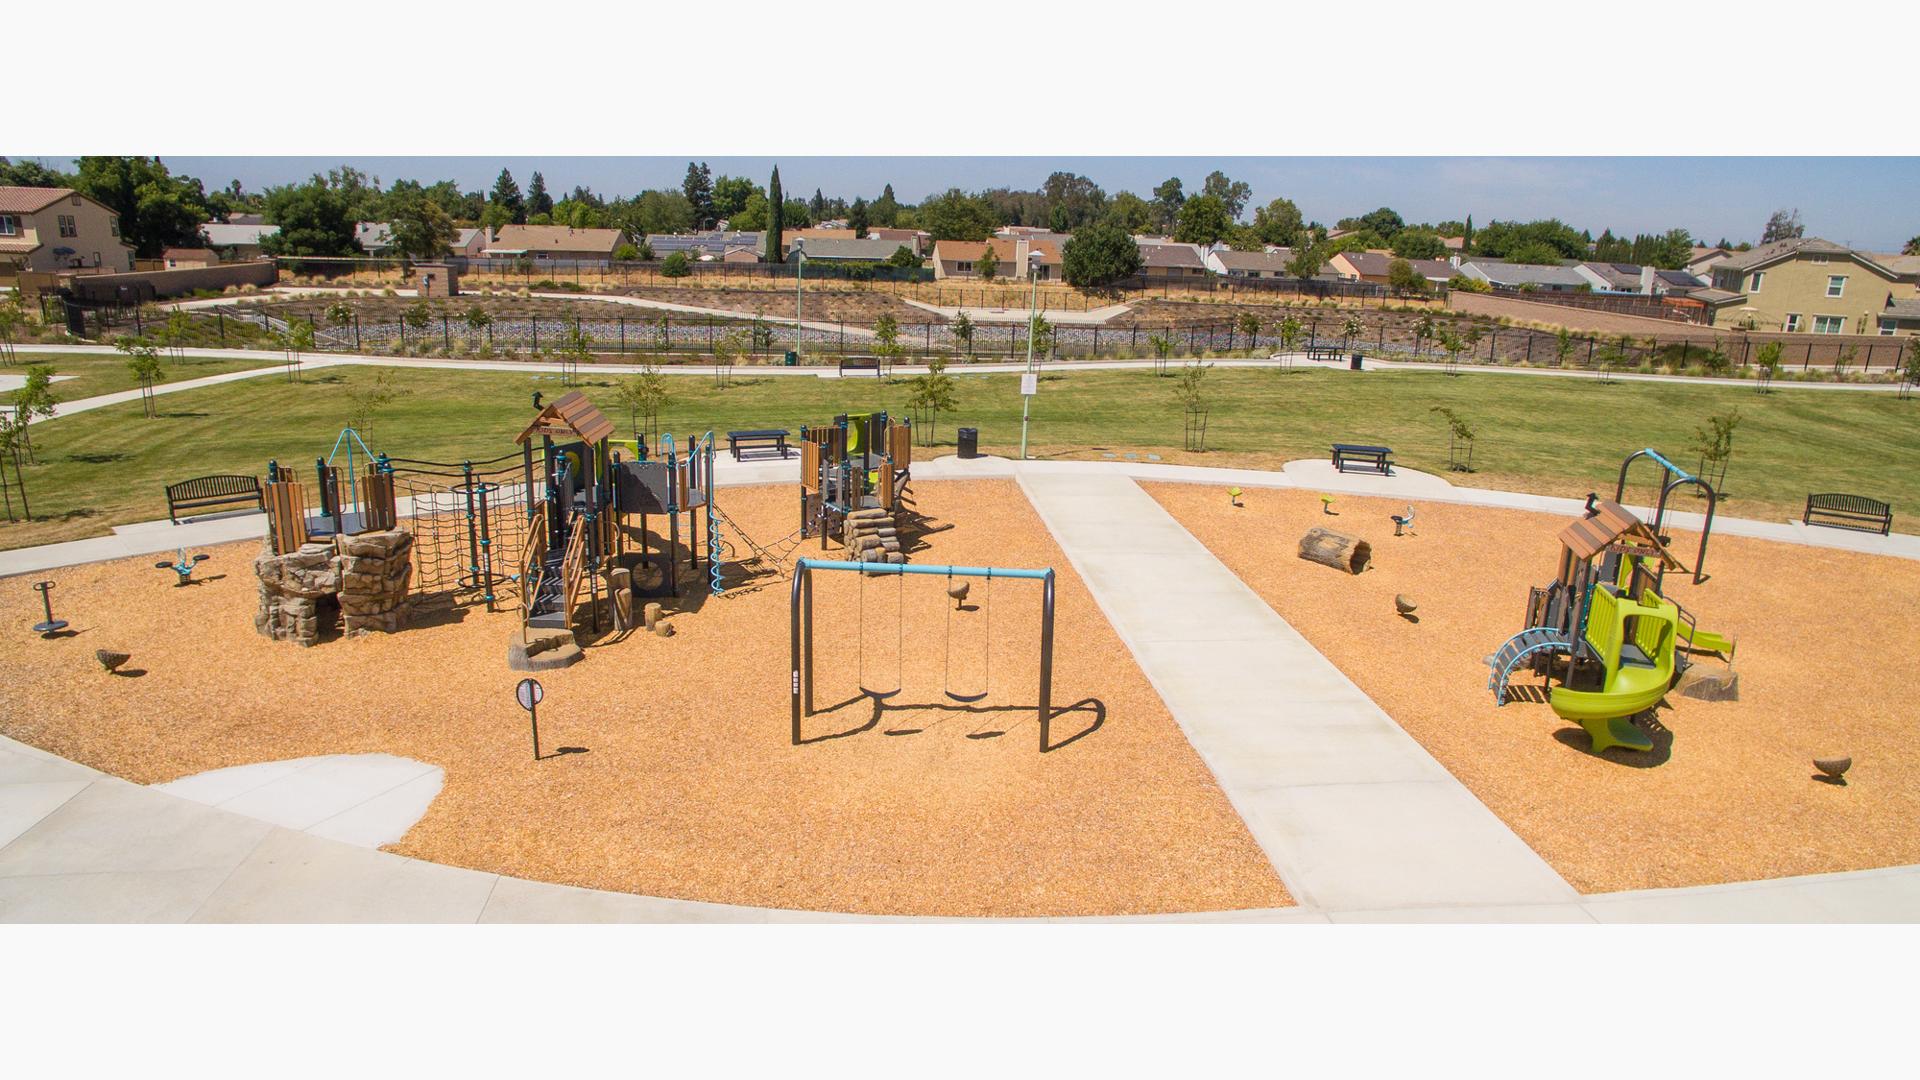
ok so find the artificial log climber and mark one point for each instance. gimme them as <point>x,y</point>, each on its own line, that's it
<point>1343,553</point>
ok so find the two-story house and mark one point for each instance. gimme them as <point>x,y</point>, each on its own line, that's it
<point>47,229</point>
<point>1806,285</point>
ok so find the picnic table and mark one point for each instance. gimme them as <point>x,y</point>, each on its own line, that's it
<point>774,439</point>
<point>1323,352</point>
<point>1374,459</point>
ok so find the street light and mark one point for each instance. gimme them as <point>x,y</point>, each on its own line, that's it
<point>1033,302</point>
<point>799,254</point>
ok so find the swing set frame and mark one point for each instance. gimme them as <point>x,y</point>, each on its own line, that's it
<point>800,625</point>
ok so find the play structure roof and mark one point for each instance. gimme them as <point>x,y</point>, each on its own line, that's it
<point>1610,525</point>
<point>571,414</point>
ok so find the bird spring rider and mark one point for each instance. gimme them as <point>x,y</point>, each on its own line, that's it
<point>182,566</point>
<point>1403,523</point>
<point>50,625</point>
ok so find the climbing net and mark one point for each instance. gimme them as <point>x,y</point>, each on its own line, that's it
<point>469,525</point>
<point>755,561</point>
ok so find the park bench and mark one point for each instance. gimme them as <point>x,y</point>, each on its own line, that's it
<point>223,489</point>
<point>1853,511</point>
<point>858,364</point>
<point>771,438</point>
<point>1323,352</point>
<point>1376,459</point>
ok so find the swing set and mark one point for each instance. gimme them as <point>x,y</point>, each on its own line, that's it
<point>800,626</point>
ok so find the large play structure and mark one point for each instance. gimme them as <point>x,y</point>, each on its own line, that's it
<point>1603,627</point>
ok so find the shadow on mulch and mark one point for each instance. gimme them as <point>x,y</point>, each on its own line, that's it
<point>1662,736</point>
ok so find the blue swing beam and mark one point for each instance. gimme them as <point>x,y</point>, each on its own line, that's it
<point>800,625</point>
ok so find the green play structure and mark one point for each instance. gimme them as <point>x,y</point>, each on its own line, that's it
<point>1603,627</point>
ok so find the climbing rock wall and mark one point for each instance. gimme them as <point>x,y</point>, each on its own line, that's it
<point>364,578</point>
<point>873,535</point>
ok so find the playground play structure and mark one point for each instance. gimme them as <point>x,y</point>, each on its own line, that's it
<point>854,480</point>
<point>1603,626</point>
<point>801,635</point>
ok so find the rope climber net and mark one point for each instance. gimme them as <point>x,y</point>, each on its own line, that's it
<point>469,524</point>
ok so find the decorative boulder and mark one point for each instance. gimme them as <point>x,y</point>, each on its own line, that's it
<point>363,577</point>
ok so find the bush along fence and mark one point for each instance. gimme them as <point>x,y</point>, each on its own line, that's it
<point>1391,334</point>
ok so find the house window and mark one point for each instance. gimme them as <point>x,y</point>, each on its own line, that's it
<point>67,227</point>
<point>1886,328</point>
<point>1829,324</point>
<point>963,268</point>
<point>1792,325</point>
<point>1758,277</point>
<point>9,225</point>
<point>113,226</point>
<point>1836,284</point>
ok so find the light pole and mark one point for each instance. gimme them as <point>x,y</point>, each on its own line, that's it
<point>1033,303</point>
<point>799,276</point>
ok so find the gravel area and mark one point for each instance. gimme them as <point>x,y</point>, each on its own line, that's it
<point>1728,793</point>
<point>688,785</point>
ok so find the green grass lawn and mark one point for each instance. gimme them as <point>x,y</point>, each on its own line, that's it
<point>94,375</point>
<point>1561,436</point>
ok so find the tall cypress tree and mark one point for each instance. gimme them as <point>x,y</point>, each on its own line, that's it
<point>776,217</point>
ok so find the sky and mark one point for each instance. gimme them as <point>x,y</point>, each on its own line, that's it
<point>1869,203</point>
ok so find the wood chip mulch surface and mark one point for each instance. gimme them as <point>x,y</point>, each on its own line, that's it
<point>1824,651</point>
<point>688,785</point>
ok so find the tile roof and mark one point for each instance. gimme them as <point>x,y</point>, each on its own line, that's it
<point>1272,262</point>
<point>1374,263</point>
<point>846,246</point>
<point>1767,254</point>
<point>971,250</point>
<point>26,200</point>
<point>1506,273</point>
<point>1902,309</point>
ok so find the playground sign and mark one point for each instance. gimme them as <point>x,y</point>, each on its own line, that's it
<point>1029,384</point>
<point>529,693</point>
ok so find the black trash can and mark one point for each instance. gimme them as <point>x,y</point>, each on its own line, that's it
<point>1355,364</point>
<point>969,442</point>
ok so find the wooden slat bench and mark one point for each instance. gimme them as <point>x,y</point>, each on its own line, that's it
<point>224,489</point>
<point>1852,511</point>
<point>857,364</point>
<point>771,438</point>
<point>1376,459</point>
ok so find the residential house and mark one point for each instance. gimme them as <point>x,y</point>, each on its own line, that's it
<point>1524,276</point>
<point>1701,263</point>
<point>1610,277</point>
<point>175,258</point>
<point>1375,266</point>
<point>1171,260</point>
<point>1805,285</point>
<point>843,248</point>
<point>376,237</point>
<point>237,243</point>
<point>468,242</point>
<point>46,229</point>
<point>705,246</point>
<point>554,242</point>
<point>1899,317</point>
<point>961,258</point>
<point>1248,264</point>
<point>741,255</point>
<point>916,240</point>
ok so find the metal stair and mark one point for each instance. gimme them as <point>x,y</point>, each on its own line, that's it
<point>549,607</point>
<point>1517,648</point>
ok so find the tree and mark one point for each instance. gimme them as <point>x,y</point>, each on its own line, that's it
<point>1459,436</point>
<point>1423,332</point>
<point>652,212</point>
<point>1072,200</point>
<point>1767,359</point>
<point>1167,201</point>
<point>1714,443</point>
<point>1454,345</point>
<point>1290,331</point>
<point>625,252</point>
<point>728,348</point>
<point>177,331</point>
<point>932,394</point>
<point>776,220</point>
<point>988,265</point>
<point>1784,224</point>
<point>1499,238</point>
<point>368,398</point>
<point>1350,328</point>
<point>1385,223</point>
<point>904,258</point>
<point>422,229</point>
<point>955,215</point>
<point>1912,248</point>
<point>156,209</point>
<point>730,194</point>
<point>857,218</point>
<point>1040,334</point>
<point>315,218</point>
<point>1249,324</point>
<point>538,201</point>
<point>697,186</point>
<point>576,348</point>
<point>31,173</point>
<point>1418,243</point>
<point>1534,253</point>
<point>295,340</point>
<point>478,318</point>
<point>1191,391</point>
<point>885,211</point>
<point>13,436</point>
<point>643,396</point>
<point>34,399</point>
<point>1278,223</point>
<point>13,316</point>
<point>1203,220</point>
<point>1162,345</point>
<point>1099,255</point>
<point>1404,278</point>
<point>675,265</point>
<point>962,330</point>
<point>1307,261</point>
<point>1130,213</point>
<point>506,195</point>
<point>143,359</point>
<point>1233,194</point>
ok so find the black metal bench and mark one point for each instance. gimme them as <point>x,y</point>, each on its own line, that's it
<point>1853,511</point>
<point>1375,459</point>
<point>772,438</point>
<point>224,489</point>
<point>1323,352</point>
<point>861,363</point>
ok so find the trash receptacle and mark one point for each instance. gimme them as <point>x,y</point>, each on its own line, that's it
<point>969,442</point>
<point>1356,362</point>
<point>793,358</point>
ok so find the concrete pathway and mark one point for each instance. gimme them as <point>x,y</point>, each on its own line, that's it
<point>1352,811</point>
<point>366,800</point>
<point>1017,314</point>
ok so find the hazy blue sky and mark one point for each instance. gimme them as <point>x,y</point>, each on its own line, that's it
<point>1872,203</point>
